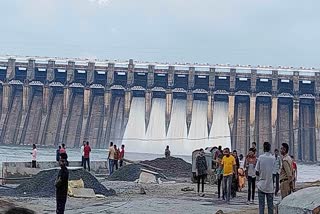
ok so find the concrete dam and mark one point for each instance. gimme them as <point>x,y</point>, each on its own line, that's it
<point>147,106</point>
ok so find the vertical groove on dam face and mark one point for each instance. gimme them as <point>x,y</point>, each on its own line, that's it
<point>284,133</point>
<point>306,146</point>
<point>74,121</point>
<point>264,123</point>
<point>242,126</point>
<point>115,131</point>
<point>34,119</point>
<point>96,121</point>
<point>13,118</point>
<point>54,120</point>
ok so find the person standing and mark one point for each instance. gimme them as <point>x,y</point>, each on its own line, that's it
<point>121,155</point>
<point>264,171</point>
<point>254,146</point>
<point>229,168</point>
<point>219,172</point>
<point>116,156</point>
<point>201,170</point>
<point>34,156</point>
<point>86,155</point>
<point>295,173</point>
<point>111,158</point>
<point>276,171</point>
<point>235,181</point>
<point>63,150</point>
<point>167,152</point>
<point>62,185</point>
<point>286,172</point>
<point>82,152</point>
<point>241,173</point>
<point>250,165</point>
<point>58,154</point>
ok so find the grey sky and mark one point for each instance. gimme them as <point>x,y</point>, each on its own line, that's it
<point>266,32</point>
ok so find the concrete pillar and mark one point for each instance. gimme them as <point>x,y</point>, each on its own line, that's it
<point>148,100</point>
<point>317,127</point>
<point>169,99</point>
<point>107,101</point>
<point>50,71</point>
<point>90,73</point>
<point>171,76</point>
<point>189,109</point>
<point>231,119</point>
<point>150,80</point>
<point>130,76</point>
<point>26,97</point>
<point>6,97</point>
<point>274,83</point>
<point>210,111</point>
<point>45,98</point>
<point>66,99</point>
<point>11,69</point>
<point>70,71</point>
<point>191,78</point>
<point>127,103</point>
<point>212,79</point>
<point>110,74</point>
<point>31,69</point>
<point>253,99</point>
<point>232,80</point>
<point>86,101</point>
<point>296,107</point>
<point>274,116</point>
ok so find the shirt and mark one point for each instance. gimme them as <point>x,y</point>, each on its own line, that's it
<point>286,169</point>
<point>228,163</point>
<point>62,150</point>
<point>86,151</point>
<point>277,165</point>
<point>121,154</point>
<point>62,183</point>
<point>201,165</point>
<point>82,150</point>
<point>264,166</point>
<point>111,153</point>
<point>34,154</point>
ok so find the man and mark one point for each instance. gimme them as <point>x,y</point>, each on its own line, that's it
<point>34,156</point>
<point>167,152</point>
<point>82,152</point>
<point>228,164</point>
<point>254,146</point>
<point>286,172</point>
<point>62,185</point>
<point>58,154</point>
<point>121,155</point>
<point>295,173</point>
<point>111,158</point>
<point>63,150</point>
<point>264,169</point>
<point>235,182</point>
<point>116,157</point>
<point>86,155</point>
<point>276,171</point>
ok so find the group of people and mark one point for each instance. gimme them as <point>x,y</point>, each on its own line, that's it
<point>268,172</point>
<point>85,151</point>
<point>115,157</point>
<point>62,150</point>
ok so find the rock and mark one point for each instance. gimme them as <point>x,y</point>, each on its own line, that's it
<point>301,202</point>
<point>186,189</point>
<point>219,212</point>
<point>83,193</point>
<point>148,177</point>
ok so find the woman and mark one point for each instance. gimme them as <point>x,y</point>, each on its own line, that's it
<point>219,173</point>
<point>250,165</point>
<point>241,178</point>
<point>235,182</point>
<point>201,170</point>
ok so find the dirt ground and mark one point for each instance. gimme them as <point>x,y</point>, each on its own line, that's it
<point>159,198</point>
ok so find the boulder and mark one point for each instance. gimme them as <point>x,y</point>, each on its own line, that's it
<point>305,201</point>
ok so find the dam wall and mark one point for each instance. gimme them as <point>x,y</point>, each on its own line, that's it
<point>49,101</point>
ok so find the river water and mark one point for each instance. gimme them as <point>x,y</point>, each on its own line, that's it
<point>306,172</point>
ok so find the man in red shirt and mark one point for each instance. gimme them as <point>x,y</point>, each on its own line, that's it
<point>86,155</point>
<point>121,155</point>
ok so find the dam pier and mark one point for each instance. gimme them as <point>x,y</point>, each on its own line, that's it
<point>50,101</point>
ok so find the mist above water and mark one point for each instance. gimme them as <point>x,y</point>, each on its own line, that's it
<point>154,139</point>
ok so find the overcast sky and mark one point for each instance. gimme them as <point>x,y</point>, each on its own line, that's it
<point>266,32</point>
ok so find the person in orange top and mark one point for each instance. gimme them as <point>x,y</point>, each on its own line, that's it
<point>295,173</point>
<point>229,169</point>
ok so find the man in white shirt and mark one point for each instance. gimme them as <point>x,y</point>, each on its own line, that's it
<point>34,156</point>
<point>264,169</point>
<point>82,152</point>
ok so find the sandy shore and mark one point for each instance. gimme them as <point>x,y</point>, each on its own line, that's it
<point>159,198</point>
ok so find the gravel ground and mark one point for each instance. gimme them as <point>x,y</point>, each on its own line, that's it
<point>43,184</point>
